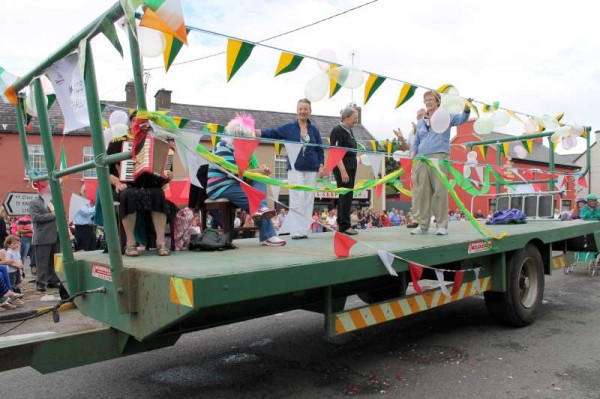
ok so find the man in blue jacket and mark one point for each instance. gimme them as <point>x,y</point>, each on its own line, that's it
<point>429,194</point>
<point>308,166</point>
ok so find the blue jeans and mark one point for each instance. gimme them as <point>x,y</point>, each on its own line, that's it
<point>25,247</point>
<point>4,280</point>
<point>236,195</point>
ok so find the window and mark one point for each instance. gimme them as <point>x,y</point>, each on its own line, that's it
<point>280,167</point>
<point>36,158</point>
<point>88,155</point>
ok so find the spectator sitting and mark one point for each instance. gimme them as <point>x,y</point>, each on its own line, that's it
<point>12,258</point>
<point>574,213</point>
<point>590,211</point>
<point>395,219</point>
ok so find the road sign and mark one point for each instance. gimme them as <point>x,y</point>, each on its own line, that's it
<point>18,203</point>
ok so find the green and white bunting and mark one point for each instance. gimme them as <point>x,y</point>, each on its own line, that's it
<point>288,62</point>
<point>373,83</point>
<point>237,53</point>
<point>6,79</point>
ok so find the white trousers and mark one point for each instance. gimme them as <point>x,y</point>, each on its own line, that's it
<point>299,218</point>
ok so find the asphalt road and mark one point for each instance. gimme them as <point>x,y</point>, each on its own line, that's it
<point>451,352</point>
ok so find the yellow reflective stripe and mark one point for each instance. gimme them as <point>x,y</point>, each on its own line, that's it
<point>181,291</point>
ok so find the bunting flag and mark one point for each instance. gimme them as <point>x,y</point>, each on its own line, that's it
<point>373,83</point>
<point>172,48</point>
<point>514,115</point>
<point>439,274</point>
<point>406,92</point>
<point>108,29</point>
<point>63,158</point>
<point>194,162</point>
<point>416,271</point>
<point>215,128</point>
<point>129,7</point>
<point>504,147</point>
<point>334,86</point>
<point>165,16</point>
<point>483,149</point>
<point>528,145</point>
<point>242,151</point>
<point>214,139</point>
<point>237,53</point>
<point>458,277</point>
<point>275,192</point>
<point>6,80</point>
<point>334,156</point>
<point>255,197</point>
<point>389,147</point>
<point>51,99</point>
<point>444,88</point>
<point>277,148</point>
<point>288,62</point>
<point>180,122</point>
<point>292,150</point>
<point>582,182</point>
<point>551,143</point>
<point>379,190</point>
<point>375,161</point>
<point>342,245</point>
<point>559,116</point>
<point>374,145</point>
<point>387,259</point>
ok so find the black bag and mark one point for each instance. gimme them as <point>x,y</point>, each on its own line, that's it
<point>210,240</point>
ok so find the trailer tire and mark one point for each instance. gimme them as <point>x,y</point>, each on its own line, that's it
<point>387,293</point>
<point>518,306</point>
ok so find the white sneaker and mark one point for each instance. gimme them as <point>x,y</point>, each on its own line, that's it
<point>273,242</point>
<point>441,232</point>
<point>264,213</point>
<point>418,231</point>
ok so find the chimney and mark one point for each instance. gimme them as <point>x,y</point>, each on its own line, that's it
<point>130,98</point>
<point>162,99</point>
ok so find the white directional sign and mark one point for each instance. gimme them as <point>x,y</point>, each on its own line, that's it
<point>18,203</point>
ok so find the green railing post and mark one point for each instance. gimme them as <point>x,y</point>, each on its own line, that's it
<point>23,136</point>
<point>106,197</point>
<point>550,163</point>
<point>499,162</point>
<point>59,206</point>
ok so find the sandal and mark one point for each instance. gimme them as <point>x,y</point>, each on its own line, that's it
<point>131,251</point>
<point>163,250</point>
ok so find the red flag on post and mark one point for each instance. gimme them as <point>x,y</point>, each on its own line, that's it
<point>242,151</point>
<point>342,244</point>
<point>416,271</point>
<point>334,156</point>
<point>458,276</point>
<point>255,197</point>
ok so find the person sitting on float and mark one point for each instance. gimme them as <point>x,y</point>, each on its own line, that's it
<point>590,211</point>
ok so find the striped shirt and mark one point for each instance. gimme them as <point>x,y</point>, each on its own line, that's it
<point>218,180</point>
<point>24,223</point>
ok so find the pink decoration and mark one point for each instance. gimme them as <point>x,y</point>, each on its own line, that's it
<point>342,244</point>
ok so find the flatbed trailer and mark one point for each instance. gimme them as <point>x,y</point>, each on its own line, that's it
<point>191,291</point>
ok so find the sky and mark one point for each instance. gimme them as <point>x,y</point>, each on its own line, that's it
<point>533,57</point>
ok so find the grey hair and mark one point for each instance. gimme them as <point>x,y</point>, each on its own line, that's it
<point>347,112</point>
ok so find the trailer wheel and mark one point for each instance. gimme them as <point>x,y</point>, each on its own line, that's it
<point>518,306</point>
<point>384,294</point>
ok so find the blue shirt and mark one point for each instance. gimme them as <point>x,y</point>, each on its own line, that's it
<point>311,156</point>
<point>85,215</point>
<point>429,142</point>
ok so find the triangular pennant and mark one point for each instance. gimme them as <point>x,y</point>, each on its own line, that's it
<point>582,182</point>
<point>91,185</point>
<point>406,92</point>
<point>172,48</point>
<point>215,128</point>
<point>479,170</point>
<point>184,194</point>
<point>334,87</point>
<point>6,80</point>
<point>528,145</point>
<point>194,162</point>
<point>504,147</point>
<point>108,28</point>
<point>483,149</point>
<point>237,53</point>
<point>277,148</point>
<point>387,258</point>
<point>275,192</point>
<point>242,151</point>
<point>379,190</point>
<point>51,99</point>
<point>342,244</point>
<point>476,283</point>
<point>63,158</point>
<point>458,277</point>
<point>293,149</point>
<point>255,197</point>
<point>288,62</point>
<point>165,16</point>
<point>4,126</point>
<point>214,139</point>
<point>129,7</point>
<point>375,160</point>
<point>441,283</point>
<point>334,156</point>
<point>416,271</point>
<point>371,86</point>
<point>374,145</point>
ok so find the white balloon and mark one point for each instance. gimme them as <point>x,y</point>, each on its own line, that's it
<point>500,118</point>
<point>520,151</point>
<point>548,122</point>
<point>569,143</point>
<point>109,134</point>
<point>152,42</point>
<point>530,126</point>
<point>317,87</point>
<point>348,77</point>
<point>397,155</point>
<point>452,91</point>
<point>472,156</point>
<point>118,118</point>
<point>440,120</point>
<point>364,159</point>
<point>120,130</point>
<point>576,131</point>
<point>483,126</point>
<point>453,104</point>
<point>328,56</point>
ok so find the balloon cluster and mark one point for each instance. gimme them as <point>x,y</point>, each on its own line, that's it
<point>451,103</point>
<point>486,125</point>
<point>567,136</point>
<point>117,126</point>
<point>317,87</point>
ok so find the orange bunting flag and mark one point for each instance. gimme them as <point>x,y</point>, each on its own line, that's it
<point>242,151</point>
<point>416,271</point>
<point>379,190</point>
<point>255,197</point>
<point>334,156</point>
<point>165,16</point>
<point>342,244</point>
<point>582,182</point>
<point>458,277</point>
